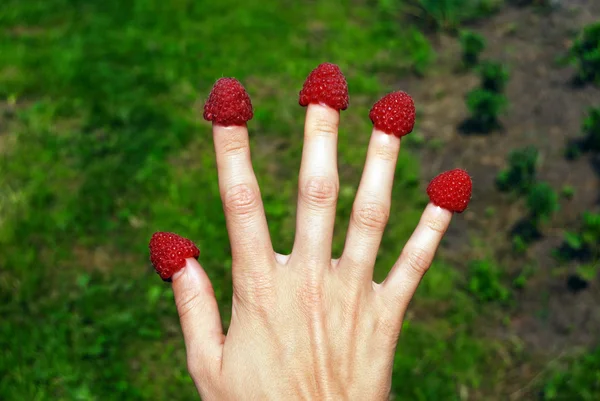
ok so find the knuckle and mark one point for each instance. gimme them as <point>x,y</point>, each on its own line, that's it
<point>387,320</point>
<point>311,297</point>
<point>371,216</point>
<point>187,302</point>
<point>351,305</point>
<point>235,144</point>
<point>419,260</point>
<point>241,200</point>
<point>324,127</point>
<point>320,192</point>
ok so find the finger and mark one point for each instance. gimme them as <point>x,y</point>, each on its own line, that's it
<point>417,256</point>
<point>371,207</point>
<point>244,212</point>
<point>199,315</point>
<point>318,186</point>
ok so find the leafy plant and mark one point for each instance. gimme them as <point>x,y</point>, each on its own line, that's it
<point>472,45</point>
<point>542,202</point>
<point>485,282</point>
<point>591,129</point>
<point>588,271</point>
<point>521,280</point>
<point>485,107</point>
<point>520,243</point>
<point>590,141</point>
<point>519,176</point>
<point>585,243</point>
<point>585,54</point>
<point>494,76</point>
<point>487,102</point>
<point>567,192</point>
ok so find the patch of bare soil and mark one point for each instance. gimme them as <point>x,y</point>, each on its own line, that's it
<point>546,110</point>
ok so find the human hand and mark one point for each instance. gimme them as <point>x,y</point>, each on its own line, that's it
<point>304,326</point>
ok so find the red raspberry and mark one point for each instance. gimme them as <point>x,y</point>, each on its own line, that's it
<point>228,103</point>
<point>168,252</point>
<point>394,114</point>
<point>451,190</point>
<point>325,84</point>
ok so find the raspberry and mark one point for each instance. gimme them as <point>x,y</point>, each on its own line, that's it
<point>168,252</point>
<point>451,190</point>
<point>325,84</point>
<point>228,103</point>
<point>394,114</point>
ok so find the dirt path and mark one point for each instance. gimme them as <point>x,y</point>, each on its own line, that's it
<point>545,111</point>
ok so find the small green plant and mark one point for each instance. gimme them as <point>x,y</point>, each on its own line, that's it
<point>567,192</point>
<point>485,107</point>
<point>542,202</point>
<point>591,129</point>
<point>490,211</point>
<point>521,280</point>
<point>472,45</point>
<point>519,176</point>
<point>585,54</point>
<point>584,244</point>
<point>485,282</point>
<point>588,271</point>
<point>494,76</point>
<point>488,101</point>
<point>519,244</point>
<point>591,229</point>
<point>591,136</point>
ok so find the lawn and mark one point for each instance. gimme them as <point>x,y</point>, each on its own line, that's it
<point>102,144</point>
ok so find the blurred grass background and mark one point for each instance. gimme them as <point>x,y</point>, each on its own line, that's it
<point>102,144</point>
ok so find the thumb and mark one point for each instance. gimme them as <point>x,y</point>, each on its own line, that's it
<point>199,316</point>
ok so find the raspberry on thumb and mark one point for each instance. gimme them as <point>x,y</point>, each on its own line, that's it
<point>228,103</point>
<point>168,253</point>
<point>451,190</point>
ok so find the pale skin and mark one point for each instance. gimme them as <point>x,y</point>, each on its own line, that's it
<point>304,326</point>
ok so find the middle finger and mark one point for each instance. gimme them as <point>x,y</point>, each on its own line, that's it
<point>325,92</point>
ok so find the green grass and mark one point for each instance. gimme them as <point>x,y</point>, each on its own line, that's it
<point>102,144</point>
<point>575,378</point>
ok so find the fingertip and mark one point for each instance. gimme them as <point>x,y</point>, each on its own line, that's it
<point>191,277</point>
<point>438,212</point>
<point>322,110</point>
<point>190,265</point>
